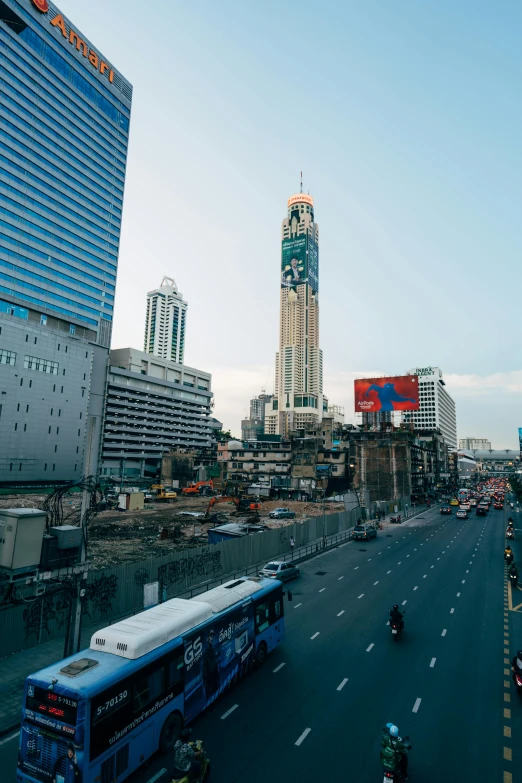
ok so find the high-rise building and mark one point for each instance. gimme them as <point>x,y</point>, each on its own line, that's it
<point>254,427</point>
<point>437,407</point>
<point>64,126</point>
<point>470,444</point>
<point>298,395</point>
<point>165,322</point>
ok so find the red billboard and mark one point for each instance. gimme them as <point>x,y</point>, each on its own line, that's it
<point>400,393</point>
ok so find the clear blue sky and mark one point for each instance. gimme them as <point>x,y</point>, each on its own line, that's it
<point>406,119</point>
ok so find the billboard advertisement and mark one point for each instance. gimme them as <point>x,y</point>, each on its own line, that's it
<point>520,439</point>
<point>399,393</point>
<point>313,264</point>
<point>294,267</point>
<point>214,655</point>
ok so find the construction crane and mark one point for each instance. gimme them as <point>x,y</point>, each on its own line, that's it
<point>245,505</point>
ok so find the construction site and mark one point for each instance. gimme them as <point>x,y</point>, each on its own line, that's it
<point>165,525</point>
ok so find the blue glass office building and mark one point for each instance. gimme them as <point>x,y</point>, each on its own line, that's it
<point>64,128</point>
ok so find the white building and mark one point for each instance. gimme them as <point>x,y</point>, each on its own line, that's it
<point>470,444</point>
<point>165,322</point>
<point>437,408</point>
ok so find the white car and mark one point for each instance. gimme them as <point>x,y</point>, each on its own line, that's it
<point>461,514</point>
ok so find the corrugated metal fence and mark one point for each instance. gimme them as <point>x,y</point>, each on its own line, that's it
<point>118,592</point>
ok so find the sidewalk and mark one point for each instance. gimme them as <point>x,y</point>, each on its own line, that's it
<point>15,668</point>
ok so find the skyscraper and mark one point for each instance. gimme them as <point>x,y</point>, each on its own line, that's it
<point>64,125</point>
<point>298,394</point>
<point>437,407</point>
<point>165,322</point>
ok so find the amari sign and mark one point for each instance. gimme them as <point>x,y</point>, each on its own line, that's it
<point>74,39</point>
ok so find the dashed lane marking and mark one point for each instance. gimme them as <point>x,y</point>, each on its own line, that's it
<point>342,684</point>
<point>376,583</point>
<point>458,595</point>
<point>507,754</point>
<point>341,577</point>
<point>416,705</point>
<point>416,587</point>
<point>16,734</point>
<point>157,776</point>
<point>452,611</point>
<point>388,572</point>
<point>444,632</point>
<point>229,712</point>
<point>432,664</point>
<point>303,736</point>
<point>297,606</point>
<point>404,602</point>
<point>316,634</point>
<point>322,589</point>
<point>278,668</point>
<point>340,613</point>
<point>370,647</point>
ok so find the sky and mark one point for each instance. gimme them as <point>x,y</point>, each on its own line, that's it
<point>406,121</point>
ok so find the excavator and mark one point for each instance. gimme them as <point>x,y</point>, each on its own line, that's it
<point>198,489</point>
<point>244,505</point>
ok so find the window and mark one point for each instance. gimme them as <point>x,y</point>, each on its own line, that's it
<point>262,615</point>
<point>149,688</point>
<point>7,357</point>
<point>18,407</point>
<point>43,320</point>
<point>27,408</point>
<point>72,329</point>
<point>41,365</point>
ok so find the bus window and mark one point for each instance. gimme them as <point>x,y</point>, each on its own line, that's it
<point>149,688</point>
<point>277,610</point>
<point>262,617</point>
<point>175,670</point>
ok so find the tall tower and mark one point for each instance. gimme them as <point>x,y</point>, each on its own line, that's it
<point>298,394</point>
<point>165,322</point>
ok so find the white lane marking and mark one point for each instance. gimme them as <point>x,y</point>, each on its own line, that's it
<point>379,553</point>
<point>388,622</point>
<point>316,634</point>
<point>458,595</point>
<point>12,737</point>
<point>297,606</point>
<point>341,577</point>
<point>341,686</point>
<point>278,668</point>
<point>407,555</point>
<point>303,736</point>
<point>463,581</point>
<point>425,575</point>
<point>229,712</point>
<point>432,664</point>
<point>444,632</point>
<point>370,647</point>
<point>438,558</point>
<point>369,559</point>
<point>388,572</point>
<point>356,567</point>
<point>432,566</point>
<point>400,561</point>
<point>414,550</point>
<point>376,583</point>
<point>451,611</point>
<point>416,705</point>
<point>157,776</point>
<point>467,571</point>
<point>361,595</point>
<point>416,587</point>
<point>322,589</point>
<point>404,602</point>
<point>340,613</point>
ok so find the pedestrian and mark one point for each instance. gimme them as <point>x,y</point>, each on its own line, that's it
<point>292,544</point>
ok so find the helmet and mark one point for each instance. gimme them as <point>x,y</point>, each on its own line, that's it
<point>395,606</point>
<point>394,731</point>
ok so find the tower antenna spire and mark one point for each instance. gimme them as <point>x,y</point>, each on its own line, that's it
<point>301,183</point>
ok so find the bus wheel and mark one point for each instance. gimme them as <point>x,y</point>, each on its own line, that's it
<point>261,654</point>
<point>170,732</point>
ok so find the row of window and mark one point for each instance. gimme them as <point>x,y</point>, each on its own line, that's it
<point>55,285</point>
<point>45,52</point>
<point>59,103</point>
<point>52,294</point>
<point>45,466</point>
<point>69,150</point>
<point>14,138</point>
<point>49,272</point>
<point>42,189</point>
<point>56,227</point>
<point>49,113</point>
<point>50,306</point>
<point>41,365</point>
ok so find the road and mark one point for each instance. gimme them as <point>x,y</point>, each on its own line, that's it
<point>316,709</point>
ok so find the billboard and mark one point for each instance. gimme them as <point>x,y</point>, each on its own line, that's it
<point>398,393</point>
<point>294,267</point>
<point>313,264</point>
<point>520,439</point>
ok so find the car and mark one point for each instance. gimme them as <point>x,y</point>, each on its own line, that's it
<point>481,511</point>
<point>464,506</point>
<point>461,514</point>
<point>498,506</point>
<point>454,502</point>
<point>282,513</point>
<point>473,503</point>
<point>446,510</point>
<point>364,532</point>
<point>278,569</point>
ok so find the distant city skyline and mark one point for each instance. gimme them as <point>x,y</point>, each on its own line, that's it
<point>409,142</point>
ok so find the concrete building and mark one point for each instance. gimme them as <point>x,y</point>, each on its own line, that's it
<point>254,427</point>
<point>298,394</point>
<point>437,408</point>
<point>469,444</point>
<point>153,407</point>
<point>165,322</point>
<point>496,461</point>
<point>64,125</point>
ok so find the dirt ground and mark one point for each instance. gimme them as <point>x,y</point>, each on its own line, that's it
<point>117,537</point>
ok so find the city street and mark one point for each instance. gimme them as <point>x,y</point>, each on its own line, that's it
<point>317,707</point>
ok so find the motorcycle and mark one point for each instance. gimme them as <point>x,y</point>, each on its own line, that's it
<point>508,558</point>
<point>517,679</point>
<point>510,534</point>
<point>396,630</point>
<point>396,520</point>
<point>514,580</point>
<point>395,775</point>
<point>205,764</point>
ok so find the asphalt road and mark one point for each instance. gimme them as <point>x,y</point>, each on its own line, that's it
<point>316,709</point>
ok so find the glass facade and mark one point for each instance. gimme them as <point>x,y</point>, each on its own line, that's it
<point>64,125</point>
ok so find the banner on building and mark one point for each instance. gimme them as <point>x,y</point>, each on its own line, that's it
<point>520,440</point>
<point>294,266</point>
<point>398,393</point>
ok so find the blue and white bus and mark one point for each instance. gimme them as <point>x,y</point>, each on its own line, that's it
<point>97,716</point>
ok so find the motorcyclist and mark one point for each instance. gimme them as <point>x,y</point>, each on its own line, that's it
<point>186,758</point>
<point>510,521</point>
<point>516,664</point>
<point>508,555</point>
<point>396,616</point>
<point>394,753</point>
<point>513,572</point>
